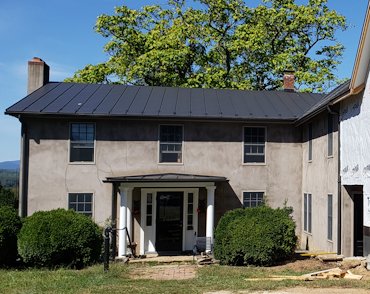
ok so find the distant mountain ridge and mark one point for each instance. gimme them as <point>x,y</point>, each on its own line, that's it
<point>10,165</point>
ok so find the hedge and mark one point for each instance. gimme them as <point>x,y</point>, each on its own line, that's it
<point>59,238</point>
<point>255,236</point>
<point>10,224</point>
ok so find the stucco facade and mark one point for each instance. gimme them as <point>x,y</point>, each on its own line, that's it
<point>320,179</point>
<point>130,147</point>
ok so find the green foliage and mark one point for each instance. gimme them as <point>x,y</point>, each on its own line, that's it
<point>219,44</point>
<point>59,238</point>
<point>8,197</point>
<point>10,224</point>
<point>255,236</point>
<point>9,178</point>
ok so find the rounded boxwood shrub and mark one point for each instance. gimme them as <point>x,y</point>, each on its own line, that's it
<point>59,238</point>
<point>10,224</point>
<point>255,236</point>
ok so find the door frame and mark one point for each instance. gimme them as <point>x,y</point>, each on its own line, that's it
<point>148,234</point>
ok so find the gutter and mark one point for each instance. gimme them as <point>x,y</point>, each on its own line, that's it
<point>351,92</point>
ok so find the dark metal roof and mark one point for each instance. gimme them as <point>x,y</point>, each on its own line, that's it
<point>166,177</point>
<point>318,107</point>
<point>93,100</point>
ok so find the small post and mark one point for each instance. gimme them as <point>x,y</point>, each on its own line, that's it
<point>107,231</point>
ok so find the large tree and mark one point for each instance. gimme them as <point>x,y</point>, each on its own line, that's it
<point>219,44</point>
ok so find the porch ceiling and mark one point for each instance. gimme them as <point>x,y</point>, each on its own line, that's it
<point>165,177</point>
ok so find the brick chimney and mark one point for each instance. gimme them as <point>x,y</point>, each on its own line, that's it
<point>38,74</point>
<point>289,81</point>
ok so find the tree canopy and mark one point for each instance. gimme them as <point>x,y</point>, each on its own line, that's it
<point>219,44</point>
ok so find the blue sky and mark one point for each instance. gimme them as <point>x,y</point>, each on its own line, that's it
<point>61,33</point>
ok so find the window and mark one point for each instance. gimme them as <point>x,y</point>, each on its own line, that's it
<point>190,211</point>
<point>330,134</point>
<point>170,144</point>
<point>149,209</point>
<point>82,142</point>
<point>310,142</point>
<point>330,217</point>
<point>81,203</point>
<point>252,199</point>
<point>307,227</point>
<point>254,144</point>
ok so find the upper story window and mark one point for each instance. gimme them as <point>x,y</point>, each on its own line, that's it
<point>254,144</point>
<point>170,143</point>
<point>310,142</point>
<point>252,199</point>
<point>330,134</point>
<point>81,202</point>
<point>82,139</point>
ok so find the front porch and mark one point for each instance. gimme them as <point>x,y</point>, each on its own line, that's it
<point>164,214</point>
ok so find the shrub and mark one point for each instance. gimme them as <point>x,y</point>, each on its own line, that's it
<point>255,236</point>
<point>10,224</point>
<point>59,238</point>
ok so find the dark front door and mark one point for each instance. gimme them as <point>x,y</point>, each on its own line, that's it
<point>169,221</point>
<point>358,225</point>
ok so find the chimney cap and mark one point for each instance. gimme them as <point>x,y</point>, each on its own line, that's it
<point>36,59</point>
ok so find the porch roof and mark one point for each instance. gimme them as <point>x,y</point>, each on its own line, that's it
<point>165,177</point>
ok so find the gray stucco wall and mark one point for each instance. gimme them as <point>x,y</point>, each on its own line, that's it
<point>320,178</point>
<point>130,147</point>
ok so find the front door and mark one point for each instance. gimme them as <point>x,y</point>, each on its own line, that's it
<point>169,222</point>
<point>358,225</point>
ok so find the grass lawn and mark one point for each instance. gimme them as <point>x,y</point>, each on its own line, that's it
<point>117,280</point>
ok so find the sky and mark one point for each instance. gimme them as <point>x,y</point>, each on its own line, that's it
<point>62,34</point>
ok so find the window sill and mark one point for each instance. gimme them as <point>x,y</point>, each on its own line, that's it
<point>254,163</point>
<point>330,156</point>
<point>307,233</point>
<point>170,163</point>
<point>82,163</point>
<point>309,161</point>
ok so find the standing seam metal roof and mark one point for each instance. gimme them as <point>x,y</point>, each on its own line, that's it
<point>167,102</point>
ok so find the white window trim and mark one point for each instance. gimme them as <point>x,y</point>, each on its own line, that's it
<point>159,145</point>
<point>252,191</point>
<point>69,145</point>
<point>254,163</point>
<point>92,205</point>
<point>306,231</point>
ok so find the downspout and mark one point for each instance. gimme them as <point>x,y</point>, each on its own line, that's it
<point>23,173</point>
<point>339,206</point>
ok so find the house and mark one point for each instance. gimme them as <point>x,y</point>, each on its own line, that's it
<point>166,163</point>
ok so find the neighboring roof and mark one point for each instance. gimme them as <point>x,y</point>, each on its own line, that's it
<point>166,177</point>
<point>321,105</point>
<point>94,100</point>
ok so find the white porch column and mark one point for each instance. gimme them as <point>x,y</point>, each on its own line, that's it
<point>210,217</point>
<point>129,212</point>
<point>122,240</point>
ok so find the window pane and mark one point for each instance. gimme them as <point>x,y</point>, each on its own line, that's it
<point>170,143</point>
<point>252,199</point>
<point>81,202</point>
<point>330,217</point>
<point>148,220</point>
<point>254,144</point>
<point>82,142</point>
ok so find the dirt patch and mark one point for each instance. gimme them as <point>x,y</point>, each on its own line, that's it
<point>165,272</point>
<point>304,265</point>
